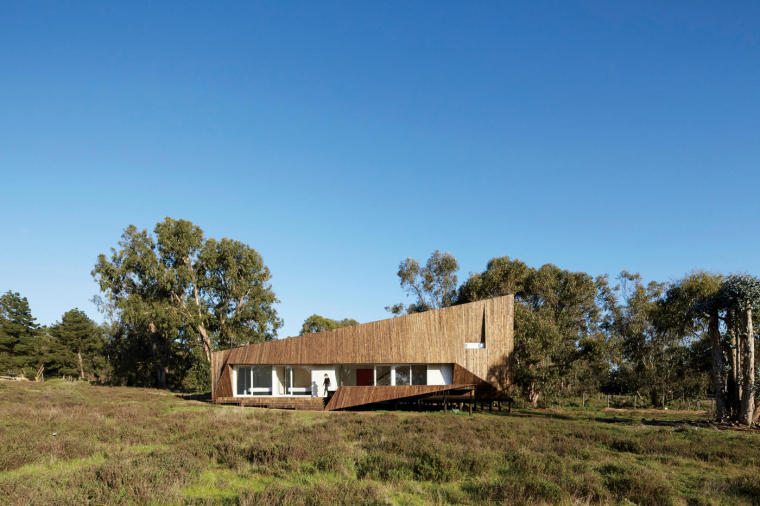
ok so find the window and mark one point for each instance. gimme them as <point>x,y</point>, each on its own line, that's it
<point>243,380</point>
<point>261,380</point>
<point>254,380</point>
<point>403,375</point>
<point>297,380</point>
<point>419,375</point>
<point>383,373</point>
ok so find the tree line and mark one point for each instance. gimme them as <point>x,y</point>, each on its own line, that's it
<point>172,296</point>
<point>576,334</point>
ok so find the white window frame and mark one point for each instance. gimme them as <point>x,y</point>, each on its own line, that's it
<point>252,391</point>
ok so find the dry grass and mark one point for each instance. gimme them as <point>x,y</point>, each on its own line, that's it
<point>126,445</point>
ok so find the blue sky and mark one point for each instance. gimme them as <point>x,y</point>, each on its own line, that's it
<point>339,138</point>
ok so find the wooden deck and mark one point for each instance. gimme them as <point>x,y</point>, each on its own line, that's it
<point>350,397</point>
<point>304,403</point>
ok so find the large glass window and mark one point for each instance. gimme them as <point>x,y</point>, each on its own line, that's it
<point>243,380</point>
<point>297,380</point>
<point>403,376</point>
<point>261,380</point>
<point>254,380</point>
<point>419,375</point>
<point>383,375</point>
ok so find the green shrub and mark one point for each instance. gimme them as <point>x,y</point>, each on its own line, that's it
<point>433,467</point>
<point>636,484</point>
<point>383,467</point>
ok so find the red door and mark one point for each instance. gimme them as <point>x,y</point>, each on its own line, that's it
<point>364,378</point>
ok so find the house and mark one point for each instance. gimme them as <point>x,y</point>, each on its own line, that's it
<point>462,350</point>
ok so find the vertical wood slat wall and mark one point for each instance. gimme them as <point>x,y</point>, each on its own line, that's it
<point>432,337</point>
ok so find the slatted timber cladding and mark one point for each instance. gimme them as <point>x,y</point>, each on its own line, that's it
<point>432,337</point>
<point>224,387</point>
<point>306,403</point>
<point>348,397</point>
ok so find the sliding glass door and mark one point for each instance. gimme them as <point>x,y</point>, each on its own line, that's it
<point>253,380</point>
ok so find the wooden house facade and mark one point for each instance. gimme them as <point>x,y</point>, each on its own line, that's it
<point>454,350</point>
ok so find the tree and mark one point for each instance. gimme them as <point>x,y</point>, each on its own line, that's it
<point>433,285</point>
<point>555,314</point>
<point>135,285</point>
<point>317,323</point>
<point>82,341</point>
<point>234,284</point>
<point>18,335</point>
<point>175,290</point>
<point>503,276</point>
<point>742,292</point>
<point>690,306</point>
<point>652,350</point>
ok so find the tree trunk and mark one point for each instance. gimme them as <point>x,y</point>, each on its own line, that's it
<point>748,387</point>
<point>205,340</point>
<point>718,376</point>
<point>201,328</point>
<point>533,394</point>
<point>733,376</point>
<point>81,366</point>
<point>160,354</point>
<point>161,376</point>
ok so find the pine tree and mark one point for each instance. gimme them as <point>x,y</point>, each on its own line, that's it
<point>79,340</point>
<point>18,335</point>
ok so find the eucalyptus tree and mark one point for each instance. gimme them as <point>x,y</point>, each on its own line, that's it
<point>432,285</point>
<point>138,294</point>
<point>556,322</point>
<point>742,293</point>
<point>691,306</point>
<point>317,323</point>
<point>235,287</point>
<point>503,276</point>
<point>176,289</point>
<point>653,351</point>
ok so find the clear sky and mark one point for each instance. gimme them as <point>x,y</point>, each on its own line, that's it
<point>339,138</point>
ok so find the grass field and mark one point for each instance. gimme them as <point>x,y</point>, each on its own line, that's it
<point>72,443</point>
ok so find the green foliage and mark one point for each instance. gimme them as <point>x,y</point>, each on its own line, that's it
<point>317,323</point>
<point>556,324</point>
<point>235,293</point>
<point>433,285</point>
<point>741,290</point>
<point>503,276</point>
<point>172,291</point>
<point>76,347</point>
<point>19,336</point>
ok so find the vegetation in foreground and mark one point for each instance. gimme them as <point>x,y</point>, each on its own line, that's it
<point>70,442</point>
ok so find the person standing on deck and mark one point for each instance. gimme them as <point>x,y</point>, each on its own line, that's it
<point>326,383</point>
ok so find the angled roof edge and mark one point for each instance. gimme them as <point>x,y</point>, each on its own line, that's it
<point>342,330</point>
